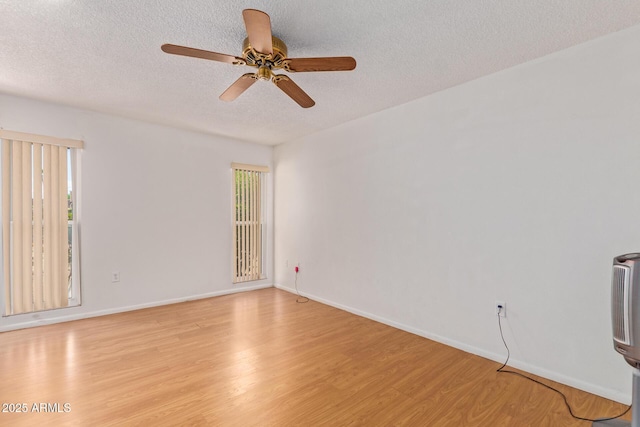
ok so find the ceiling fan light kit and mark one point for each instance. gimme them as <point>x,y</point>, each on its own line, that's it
<point>267,53</point>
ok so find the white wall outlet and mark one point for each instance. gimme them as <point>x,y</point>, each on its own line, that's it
<point>286,263</point>
<point>115,277</point>
<point>500,308</point>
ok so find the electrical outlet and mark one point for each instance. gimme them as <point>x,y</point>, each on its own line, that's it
<point>500,308</point>
<point>115,277</point>
<point>286,263</point>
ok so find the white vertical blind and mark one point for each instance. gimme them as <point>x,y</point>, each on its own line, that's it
<point>244,224</point>
<point>38,261</point>
<point>27,227</point>
<point>6,227</point>
<point>35,221</point>
<point>247,221</point>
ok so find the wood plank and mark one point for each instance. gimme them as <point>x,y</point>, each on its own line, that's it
<point>259,358</point>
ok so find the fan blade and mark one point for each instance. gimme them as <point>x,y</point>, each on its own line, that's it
<point>258,26</point>
<point>335,63</point>
<point>293,90</point>
<point>238,87</point>
<point>199,53</point>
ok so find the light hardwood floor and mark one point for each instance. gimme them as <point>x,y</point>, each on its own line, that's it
<point>260,359</point>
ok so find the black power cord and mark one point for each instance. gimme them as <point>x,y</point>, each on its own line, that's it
<point>566,402</point>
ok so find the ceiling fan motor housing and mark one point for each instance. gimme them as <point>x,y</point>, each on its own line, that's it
<point>257,59</point>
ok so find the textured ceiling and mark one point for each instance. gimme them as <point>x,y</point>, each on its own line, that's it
<point>105,55</point>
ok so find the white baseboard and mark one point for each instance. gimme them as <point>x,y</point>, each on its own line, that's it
<point>553,376</point>
<point>86,315</point>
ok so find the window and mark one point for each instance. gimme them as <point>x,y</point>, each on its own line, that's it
<point>249,230</point>
<point>39,222</point>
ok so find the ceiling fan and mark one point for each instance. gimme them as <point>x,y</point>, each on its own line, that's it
<point>267,53</point>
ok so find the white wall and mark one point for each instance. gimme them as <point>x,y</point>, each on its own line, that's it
<point>521,187</point>
<point>155,205</point>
